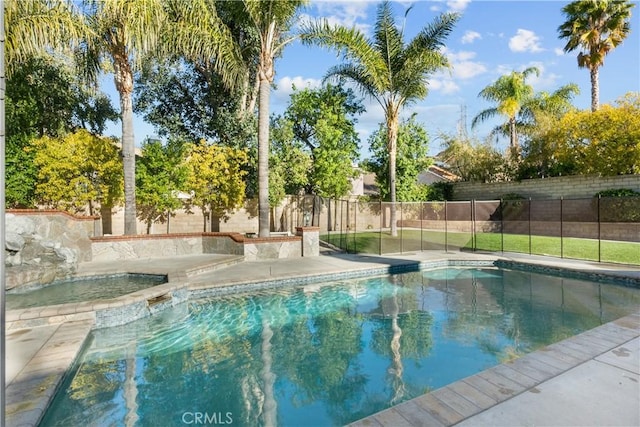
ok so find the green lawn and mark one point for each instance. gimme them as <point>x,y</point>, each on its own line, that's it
<point>415,240</point>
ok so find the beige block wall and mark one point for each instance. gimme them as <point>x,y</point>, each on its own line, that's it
<point>568,187</point>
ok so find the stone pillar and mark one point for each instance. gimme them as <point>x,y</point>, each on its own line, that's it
<point>310,240</point>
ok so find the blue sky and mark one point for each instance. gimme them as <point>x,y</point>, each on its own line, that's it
<point>491,38</point>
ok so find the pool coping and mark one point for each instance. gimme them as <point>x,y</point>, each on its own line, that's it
<point>30,393</point>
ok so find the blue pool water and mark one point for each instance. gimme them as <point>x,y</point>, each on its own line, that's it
<point>82,289</point>
<point>324,355</point>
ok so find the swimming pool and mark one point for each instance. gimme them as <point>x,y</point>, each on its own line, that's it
<point>324,354</point>
<point>82,289</point>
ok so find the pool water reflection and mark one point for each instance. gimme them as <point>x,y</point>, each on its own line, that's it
<point>325,354</point>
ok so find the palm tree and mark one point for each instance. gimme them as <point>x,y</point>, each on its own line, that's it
<point>510,92</point>
<point>393,73</point>
<point>596,27</point>
<point>272,19</point>
<point>128,32</point>
<point>125,31</point>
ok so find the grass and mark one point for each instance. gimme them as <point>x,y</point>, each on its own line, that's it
<point>416,240</point>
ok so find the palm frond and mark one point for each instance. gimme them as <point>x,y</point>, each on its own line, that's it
<point>351,44</point>
<point>35,26</point>
<point>484,115</point>
<point>356,74</point>
<point>198,33</point>
<point>433,36</point>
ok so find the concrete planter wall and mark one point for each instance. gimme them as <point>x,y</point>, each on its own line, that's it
<point>111,248</point>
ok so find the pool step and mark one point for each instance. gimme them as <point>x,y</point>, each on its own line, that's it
<point>214,265</point>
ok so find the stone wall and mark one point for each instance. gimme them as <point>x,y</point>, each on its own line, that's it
<point>112,248</point>
<point>42,245</point>
<point>568,187</point>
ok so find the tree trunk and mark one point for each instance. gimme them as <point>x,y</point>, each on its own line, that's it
<point>514,145</point>
<point>105,213</point>
<point>392,140</point>
<point>215,222</point>
<point>123,77</point>
<point>396,368</point>
<point>595,89</point>
<point>270,408</point>
<point>263,159</point>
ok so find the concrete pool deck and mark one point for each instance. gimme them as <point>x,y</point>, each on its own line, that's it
<point>589,379</point>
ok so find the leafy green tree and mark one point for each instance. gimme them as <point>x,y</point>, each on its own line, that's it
<point>540,114</point>
<point>290,164</point>
<point>412,159</point>
<point>474,161</point>
<point>510,92</point>
<point>215,179</point>
<point>393,73</point>
<point>604,142</point>
<point>308,106</point>
<point>76,171</point>
<point>319,124</point>
<point>43,97</point>
<point>595,28</point>
<point>161,174</point>
<point>271,20</point>
<point>21,173</point>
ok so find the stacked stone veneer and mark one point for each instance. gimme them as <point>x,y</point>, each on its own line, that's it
<point>568,187</point>
<point>111,248</point>
<point>43,245</point>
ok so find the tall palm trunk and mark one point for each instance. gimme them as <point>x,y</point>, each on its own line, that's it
<point>123,77</point>
<point>595,89</point>
<point>270,406</point>
<point>392,138</point>
<point>263,159</point>
<point>396,369</point>
<point>514,144</point>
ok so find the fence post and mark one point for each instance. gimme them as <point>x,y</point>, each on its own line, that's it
<point>501,226</point>
<point>599,233</point>
<point>473,225</point>
<point>421,226</point>
<point>561,230</point>
<point>380,231</point>
<point>446,229</point>
<point>401,228</point>
<point>355,227</point>
<point>529,225</point>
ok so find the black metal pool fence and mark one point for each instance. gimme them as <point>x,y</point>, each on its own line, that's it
<point>596,228</point>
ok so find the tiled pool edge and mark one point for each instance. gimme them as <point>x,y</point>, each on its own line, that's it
<point>29,394</point>
<point>463,399</point>
<point>203,291</point>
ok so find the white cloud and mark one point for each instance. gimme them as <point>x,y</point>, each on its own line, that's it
<point>462,66</point>
<point>470,37</point>
<point>457,5</point>
<point>463,55</point>
<point>525,41</point>
<point>558,51</point>
<point>545,81</point>
<point>345,13</point>
<point>446,86</point>
<point>452,5</point>
<point>468,69</point>
<point>284,86</point>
